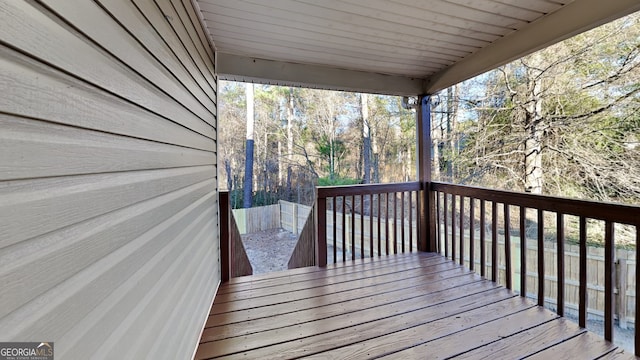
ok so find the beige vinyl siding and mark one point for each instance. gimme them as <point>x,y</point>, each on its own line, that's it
<point>108,188</point>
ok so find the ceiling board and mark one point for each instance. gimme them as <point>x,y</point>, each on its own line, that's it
<point>434,42</point>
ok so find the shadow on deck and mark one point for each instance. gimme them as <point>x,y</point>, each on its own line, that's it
<point>418,305</point>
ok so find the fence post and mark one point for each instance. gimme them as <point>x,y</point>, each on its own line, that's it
<point>320,214</point>
<point>225,250</point>
<point>295,218</point>
<point>622,293</point>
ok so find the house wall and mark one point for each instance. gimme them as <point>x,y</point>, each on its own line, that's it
<point>108,188</point>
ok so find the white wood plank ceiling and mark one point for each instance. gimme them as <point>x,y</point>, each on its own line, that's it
<point>403,47</point>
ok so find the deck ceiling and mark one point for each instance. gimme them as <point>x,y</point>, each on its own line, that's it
<point>400,47</point>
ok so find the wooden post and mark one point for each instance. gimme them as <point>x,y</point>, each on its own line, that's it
<point>582,308</point>
<point>225,251</point>
<point>426,212</point>
<point>295,218</point>
<point>320,214</point>
<point>560,263</point>
<point>637,287</point>
<point>609,280</point>
<point>622,293</point>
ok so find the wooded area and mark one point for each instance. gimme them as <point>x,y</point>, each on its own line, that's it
<point>562,121</point>
<point>305,137</point>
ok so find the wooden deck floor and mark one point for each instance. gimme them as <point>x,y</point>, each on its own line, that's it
<point>415,306</point>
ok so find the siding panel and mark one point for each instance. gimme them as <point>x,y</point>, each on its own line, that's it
<point>63,253</point>
<point>169,11</point>
<point>47,38</point>
<point>116,41</point>
<point>199,39</point>
<point>62,99</point>
<point>30,148</point>
<point>195,22</point>
<point>108,189</point>
<point>101,323</point>
<point>32,208</point>
<point>160,22</point>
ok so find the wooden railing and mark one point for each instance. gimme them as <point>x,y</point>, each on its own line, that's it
<point>304,252</point>
<point>455,219</point>
<point>233,257</point>
<point>385,215</point>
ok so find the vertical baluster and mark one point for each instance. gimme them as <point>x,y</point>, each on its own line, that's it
<point>507,244</point>
<point>395,223</point>
<point>472,234</point>
<point>379,228</point>
<point>344,229</point>
<point>321,245</point>
<point>453,227</point>
<point>523,252</point>
<point>386,223</point>
<point>540,257</point>
<point>582,308</point>
<point>609,280</point>
<point>411,220</point>
<point>362,226</point>
<point>353,227</point>
<point>483,248</point>
<point>370,225</point>
<point>335,229</point>
<point>446,230</point>
<point>461,230</point>
<point>494,241</point>
<point>637,333</point>
<point>402,218</point>
<point>438,225</point>
<point>560,262</point>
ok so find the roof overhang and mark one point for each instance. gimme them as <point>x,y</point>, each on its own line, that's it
<point>247,69</point>
<point>261,62</point>
<point>572,19</point>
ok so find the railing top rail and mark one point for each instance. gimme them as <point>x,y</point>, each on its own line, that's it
<point>619,213</point>
<point>365,189</point>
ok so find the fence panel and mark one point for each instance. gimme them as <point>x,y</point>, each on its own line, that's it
<point>257,219</point>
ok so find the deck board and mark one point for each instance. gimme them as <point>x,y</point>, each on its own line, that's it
<point>331,306</point>
<point>396,307</point>
<point>364,274</point>
<point>583,342</point>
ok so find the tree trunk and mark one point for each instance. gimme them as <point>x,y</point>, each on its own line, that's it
<point>227,168</point>
<point>452,110</point>
<point>366,139</point>
<point>409,164</point>
<point>280,167</point>
<point>534,125</point>
<point>331,159</point>
<point>375,156</point>
<point>436,136</point>
<point>288,183</point>
<point>248,169</point>
<point>290,127</point>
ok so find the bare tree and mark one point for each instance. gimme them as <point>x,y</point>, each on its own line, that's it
<point>563,120</point>
<point>366,138</point>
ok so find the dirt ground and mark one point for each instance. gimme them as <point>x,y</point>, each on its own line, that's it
<point>269,250</point>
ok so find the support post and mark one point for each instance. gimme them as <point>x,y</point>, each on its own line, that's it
<point>225,250</point>
<point>320,214</point>
<point>426,212</point>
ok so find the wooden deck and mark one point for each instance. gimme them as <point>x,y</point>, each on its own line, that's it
<point>414,306</point>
